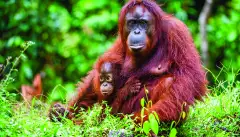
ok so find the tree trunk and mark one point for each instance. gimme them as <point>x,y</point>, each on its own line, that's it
<point>203,30</point>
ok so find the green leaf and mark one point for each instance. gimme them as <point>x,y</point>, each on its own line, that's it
<point>142,102</point>
<point>173,124</point>
<point>151,117</point>
<point>27,71</point>
<point>232,36</point>
<point>173,132</point>
<point>156,116</point>
<point>146,127</point>
<point>153,123</point>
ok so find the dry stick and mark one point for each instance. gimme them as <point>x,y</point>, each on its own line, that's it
<point>203,31</point>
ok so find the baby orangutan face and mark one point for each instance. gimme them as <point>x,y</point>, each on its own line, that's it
<point>106,79</point>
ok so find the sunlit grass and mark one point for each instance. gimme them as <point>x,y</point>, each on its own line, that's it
<point>33,121</point>
<point>218,115</point>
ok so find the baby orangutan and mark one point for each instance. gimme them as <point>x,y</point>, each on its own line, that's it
<point>110,81</point>
<point>105,86</point>
<point>111,85</point>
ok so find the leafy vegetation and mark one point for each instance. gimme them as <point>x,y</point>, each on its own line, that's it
<point>70,35</point>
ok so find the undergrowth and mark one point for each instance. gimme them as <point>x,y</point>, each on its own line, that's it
<point>34,122</point>
<point>218,115</point>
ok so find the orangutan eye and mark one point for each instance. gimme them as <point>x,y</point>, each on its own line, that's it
<point>132,24</point>
<point>143,24</point>
<point>109,78</point>
<point>101,78</point>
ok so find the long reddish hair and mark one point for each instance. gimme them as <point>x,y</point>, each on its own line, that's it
<point>171,42</point>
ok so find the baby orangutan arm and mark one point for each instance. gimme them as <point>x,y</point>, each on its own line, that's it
<point>131,87</point>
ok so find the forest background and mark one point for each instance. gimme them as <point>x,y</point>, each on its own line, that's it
<point>70,35</point>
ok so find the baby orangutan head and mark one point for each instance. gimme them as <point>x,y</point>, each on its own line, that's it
<point>107,79</point>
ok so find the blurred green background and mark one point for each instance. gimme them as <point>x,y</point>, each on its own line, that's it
<point>70,35</point>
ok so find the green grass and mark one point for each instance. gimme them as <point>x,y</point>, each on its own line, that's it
<point>218,115</point>
<point>34,121</point>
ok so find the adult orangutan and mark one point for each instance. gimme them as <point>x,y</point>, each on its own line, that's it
<point>149,39</point>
